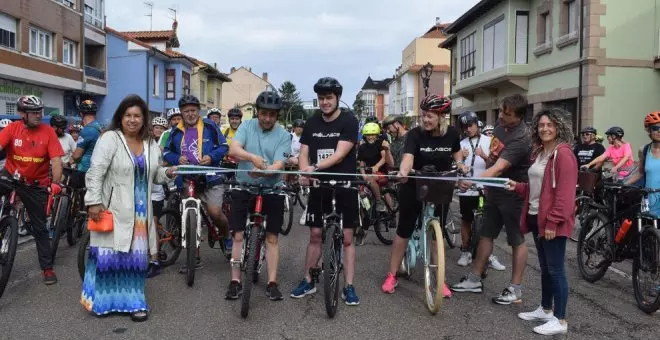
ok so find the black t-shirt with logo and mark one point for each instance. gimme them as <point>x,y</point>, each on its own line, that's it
<point>432,150</point>
<point>585,153</point>
<point>322,138</point>
<point>514,145</point>
<point>370,153</point>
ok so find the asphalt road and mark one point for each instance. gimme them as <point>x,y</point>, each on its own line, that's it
<point>31,310</point>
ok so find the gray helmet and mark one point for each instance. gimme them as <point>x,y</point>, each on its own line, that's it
<point>29,104</point>
<point>298,123</point>
<point>615,131</point>
<point>389,120</point>
<point>189,99</point>
<point>589,129</point>
<point>269,100</point>
<point>467,118</point>
<point>328,84</point>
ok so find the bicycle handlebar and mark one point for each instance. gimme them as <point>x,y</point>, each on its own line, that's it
<point>337,184</point>
<point>620,186</point>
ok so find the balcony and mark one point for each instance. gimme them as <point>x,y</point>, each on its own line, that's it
<point>94,72</point>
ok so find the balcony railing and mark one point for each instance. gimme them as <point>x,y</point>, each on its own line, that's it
<point>94,72</point>
<point>93,21</point>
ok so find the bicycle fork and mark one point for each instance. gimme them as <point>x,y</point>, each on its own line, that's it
<point>194,206</point>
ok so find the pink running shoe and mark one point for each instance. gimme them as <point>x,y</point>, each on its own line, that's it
<point>390,284</point>
<point>446,292</point>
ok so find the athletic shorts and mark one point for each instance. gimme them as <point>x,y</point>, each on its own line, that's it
<point>410,208</point>
<point>320,203</point>
<point>213,195</point>
<point>242,204</point>
<point>467,206</point>
<point>157,207</point>
<point>504,211</point>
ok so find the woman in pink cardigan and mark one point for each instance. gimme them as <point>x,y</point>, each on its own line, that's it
<point>548,213</point>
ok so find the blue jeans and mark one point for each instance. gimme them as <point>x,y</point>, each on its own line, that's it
<point>552,258</point>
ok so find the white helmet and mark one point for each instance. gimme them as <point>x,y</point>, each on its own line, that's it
<point>173,112</point>
<point>4,123</point>
<point>488,128</point>
<point>159,121</point>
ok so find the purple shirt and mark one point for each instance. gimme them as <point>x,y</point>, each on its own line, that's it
<point>189,147</point>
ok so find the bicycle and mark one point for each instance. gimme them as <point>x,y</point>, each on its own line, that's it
<point>332,238</point>
<point>423,244</point>
<point>384,222</point>
<point>8,235</point>
<point>69,213</point>
<point>588,189</point>
<point>616,239</point>
<point>477,222</point>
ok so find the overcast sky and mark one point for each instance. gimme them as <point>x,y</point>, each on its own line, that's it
<point>294,40</point>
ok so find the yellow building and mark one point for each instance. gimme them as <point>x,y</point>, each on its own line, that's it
<point>243,89</point>
<point>206,83</point>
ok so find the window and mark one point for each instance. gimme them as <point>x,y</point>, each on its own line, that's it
<point>468,53</point>
<point>10,108</point>
<point>494,45</point>
<point>155,80</point>
<point>94,12</point>
<point>218,95</point>
<point>41,43</point>
<point>69,53</point>
<point>170,84</point>
<point>571,11</point>
<point>67,3</point>
<point>202,91</point>
<point>546,29</point>
<point>522,36</point>
<point>7,31</point>
<point>186,82</point>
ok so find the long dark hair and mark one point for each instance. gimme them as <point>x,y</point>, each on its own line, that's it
<point>128,102</point>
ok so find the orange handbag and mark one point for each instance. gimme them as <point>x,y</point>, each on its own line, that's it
<point>105,223</point>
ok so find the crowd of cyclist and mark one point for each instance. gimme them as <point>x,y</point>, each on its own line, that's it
<point>329,142</point>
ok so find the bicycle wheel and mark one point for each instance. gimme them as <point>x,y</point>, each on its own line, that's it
<point>169,236</point>
<point>250,269</point>
<point>595,241</point>
<point>191,246</point>
<point>331,269</point>
<point>581,212</point>
<point>59,220</point>
<point>646,271</point>
<point>8,245</point>
<point>289,203</point>
<point>434,274</point>
<point>395,200</point>
<point>451,230</point>
<point>83,254</point>
<point>300,201</point>
<point>384,230</point>
<point>475,232</point>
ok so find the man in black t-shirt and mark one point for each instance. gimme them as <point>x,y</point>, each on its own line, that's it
<point>588,150</point>
<point>328,145</point>
<point>509,158</point>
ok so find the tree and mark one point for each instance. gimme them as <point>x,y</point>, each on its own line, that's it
<point>292,108</point>
<point>358,106</point>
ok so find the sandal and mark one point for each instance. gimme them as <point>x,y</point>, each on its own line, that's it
<point>139,316</point>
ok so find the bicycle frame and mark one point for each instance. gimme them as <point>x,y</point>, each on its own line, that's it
<point>417,242</point>
<point>194,204</point>
<point>256,218</point>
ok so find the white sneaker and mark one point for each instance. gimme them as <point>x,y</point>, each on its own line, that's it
<point>465,259</point>
<point>303,218</point>
<point>551,327</point>
<point>494,263</point>
<point>507,297</point>
<point>537,315</point>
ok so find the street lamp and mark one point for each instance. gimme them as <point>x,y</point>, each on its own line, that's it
<point>425,74</point>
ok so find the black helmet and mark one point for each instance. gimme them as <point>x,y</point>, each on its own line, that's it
<point>269,100</point>
<point>235,112</point>
<point>88,106</point>
<point>29,104</point>
<point>328,84</point>
<point>58,122</point>
<point>371,119</point>
<point>589,129</point>
<point>615,131</point>
<point>298,123</point>
<point>468,118</point>
<point>189,99</point>
<point>391,119</point>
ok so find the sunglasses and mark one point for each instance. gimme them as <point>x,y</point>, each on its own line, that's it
<point>655,128</point>
<point>586,134</point>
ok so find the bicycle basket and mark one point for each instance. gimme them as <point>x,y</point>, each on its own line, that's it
<point>630,197</point>
<point>587,181</point>
<point>439,191</point>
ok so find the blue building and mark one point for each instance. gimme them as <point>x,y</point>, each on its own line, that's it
<point>143,63</point>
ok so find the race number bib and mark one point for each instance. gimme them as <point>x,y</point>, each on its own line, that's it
<point>322,154</point>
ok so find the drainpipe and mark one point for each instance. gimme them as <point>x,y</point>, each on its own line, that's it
<point>580,67</point>
<point>150,53</point>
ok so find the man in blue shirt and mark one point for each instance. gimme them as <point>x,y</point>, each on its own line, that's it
<point>89,135</point>
<point>259,144</point>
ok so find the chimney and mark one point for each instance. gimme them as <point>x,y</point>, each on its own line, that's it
<point>437,20</point>
<point>232,70</point>
<point>215,66</point>
<point>250,69</point>
<point>264,76</point>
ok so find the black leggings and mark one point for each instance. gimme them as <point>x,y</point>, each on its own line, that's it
<point>410,208</point>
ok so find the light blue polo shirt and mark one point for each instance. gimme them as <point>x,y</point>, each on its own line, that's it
<point>270,145</point>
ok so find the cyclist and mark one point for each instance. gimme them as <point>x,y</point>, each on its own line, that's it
<point>158,126</point>
<point>509,157</point>
<point>396,128</point>
<point>259,144</point>
<point>374,154</point>
<point>475,149</point>
<point>197,141</point>
<point>215,115</point>
<point>75,133</point>
<point>59,124</point>
<point>488,130</point>
<point>433,143</point>
<point>235,115</point>
<point>649,162</point>
<point>328,145</point>
<point>298,125</point>
<point>588,150</point>
<point>173,118</point>
<point>619,152</point>
<point>90,134</point>
<point>32,148</point>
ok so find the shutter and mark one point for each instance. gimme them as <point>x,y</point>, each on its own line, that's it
<point>522,23</point>
<point>489,40</point>
<point>7,23</point>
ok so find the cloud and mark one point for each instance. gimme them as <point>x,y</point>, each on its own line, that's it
<point>295,40</point>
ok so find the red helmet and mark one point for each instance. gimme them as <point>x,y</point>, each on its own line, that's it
<point>652,119</point>
<point>435,103</point>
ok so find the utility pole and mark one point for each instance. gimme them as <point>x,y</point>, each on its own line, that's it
<point>173,10</point>
<point>150,4</point>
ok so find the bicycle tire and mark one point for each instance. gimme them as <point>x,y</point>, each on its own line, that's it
<point>395,200</point>
<point>331,269</point>
<point>191,247</point>
<point>591,245</point>
<point>9,232</point>
<point>581,212</point>
<point>250,269</point>
<point>60,218</point>
<point>300,201</point>
<point>434,282</point>
<point>73,233</point>
<point>475,231</point>
<point>449,230</point>
<point>83,249</point>
<point>649,251</point>
<point>382,230</point>
<point>172,231</point>
<point>289,204</point>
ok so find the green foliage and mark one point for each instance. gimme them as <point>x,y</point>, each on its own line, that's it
<point>292,108</point>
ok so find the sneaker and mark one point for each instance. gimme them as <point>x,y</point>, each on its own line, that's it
<point>465,259</point>
<point>49,277</point>
<point>304,288</point>
<point>303,217</point>
<point>389,286</point>
<point>494,263</point>
<point>198,265</point>
<point>537,315</point>
<point>507,297</point>
<point>466,285</point>
<point>273,292</point>
<point>153,269</point>
<point>349,296</point>
<point>446,292</point>
<point>360,235</point>
<point>228,243</point>
<point>552,327</point>
<point>234,290</point>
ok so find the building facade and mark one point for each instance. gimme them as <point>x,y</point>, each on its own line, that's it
<point>243,90</point>
<point>376,97</point>
<point>207,86</point>
<point>55,49</point>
